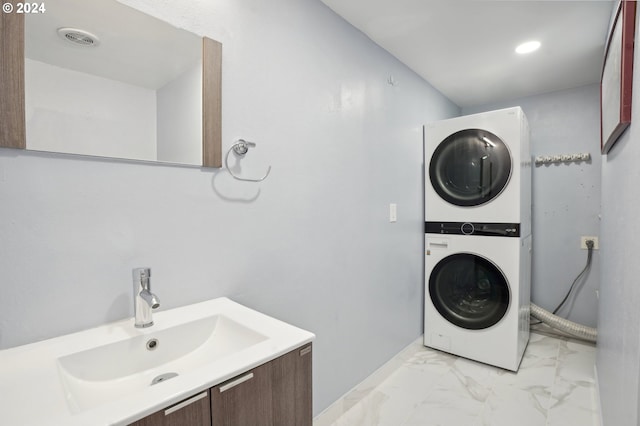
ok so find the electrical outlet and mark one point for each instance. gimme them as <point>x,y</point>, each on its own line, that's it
<point>583,242</point>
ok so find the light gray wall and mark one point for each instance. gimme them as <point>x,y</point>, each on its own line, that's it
<point>565,198</point>
<point>618,354</point>
<point>311,245</point>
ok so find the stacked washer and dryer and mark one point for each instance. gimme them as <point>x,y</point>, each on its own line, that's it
<point>478,236</point>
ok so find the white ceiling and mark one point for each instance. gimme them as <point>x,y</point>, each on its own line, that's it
<point>465,48</point>
<point>134,48</point>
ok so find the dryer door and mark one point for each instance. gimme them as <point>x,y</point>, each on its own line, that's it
<point>469,291</point>
<point>470,167</point>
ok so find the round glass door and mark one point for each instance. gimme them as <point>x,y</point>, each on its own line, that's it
<point>469,291</point>
<point>470,167</point>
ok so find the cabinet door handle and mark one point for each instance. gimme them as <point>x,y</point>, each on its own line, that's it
<point>305,351</point>
<point>185,403</point>
<point>236,382</point>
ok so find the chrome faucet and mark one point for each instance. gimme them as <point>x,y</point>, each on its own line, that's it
<point>143,300</point>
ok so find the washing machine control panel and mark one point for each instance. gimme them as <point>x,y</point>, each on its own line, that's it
<point>473,228</point>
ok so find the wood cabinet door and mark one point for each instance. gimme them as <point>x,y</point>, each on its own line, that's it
<point>291,384</point>
<point>193,411</point>
<point>244,400</point>
<point>277,393</point>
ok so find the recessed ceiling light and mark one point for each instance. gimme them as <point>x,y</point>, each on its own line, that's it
<point>528,47</point>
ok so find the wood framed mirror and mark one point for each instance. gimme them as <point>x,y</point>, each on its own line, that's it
<point>100,100</point>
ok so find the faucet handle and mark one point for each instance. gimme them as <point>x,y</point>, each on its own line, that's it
<point>141,273</point>
<point>141,277</point>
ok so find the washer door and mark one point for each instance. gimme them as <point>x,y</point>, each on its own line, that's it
<point>469,291</point>
<point>470,167</point>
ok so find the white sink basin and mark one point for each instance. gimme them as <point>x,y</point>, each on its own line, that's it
<point>102,374</point>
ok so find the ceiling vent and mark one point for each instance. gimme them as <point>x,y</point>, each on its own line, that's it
<point>78,37</point>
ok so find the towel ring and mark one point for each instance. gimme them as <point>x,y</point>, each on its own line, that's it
<point>240,148</point>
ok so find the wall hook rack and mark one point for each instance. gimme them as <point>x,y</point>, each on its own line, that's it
<point>240,148</point>
<point>564,158</point>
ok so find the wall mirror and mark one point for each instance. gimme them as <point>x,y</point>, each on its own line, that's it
<point>103,79</point>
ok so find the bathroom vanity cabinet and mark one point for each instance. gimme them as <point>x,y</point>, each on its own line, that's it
<point>277,393</point>
<point>222,363</point>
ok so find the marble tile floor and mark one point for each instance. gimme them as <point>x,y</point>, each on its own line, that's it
<point>555,386</point>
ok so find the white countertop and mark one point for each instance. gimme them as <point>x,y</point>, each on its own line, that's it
<point>32,392</point>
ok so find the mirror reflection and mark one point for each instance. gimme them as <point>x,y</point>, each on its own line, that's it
<point>107,80</point>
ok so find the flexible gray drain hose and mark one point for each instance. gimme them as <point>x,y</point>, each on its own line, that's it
<point>562,324</point>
